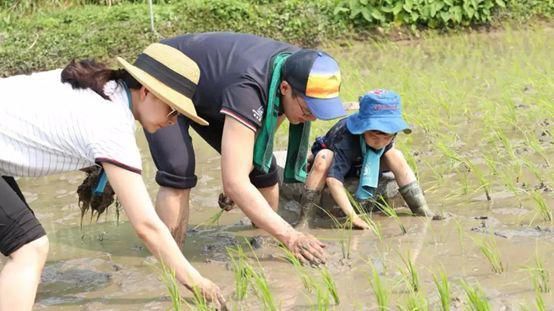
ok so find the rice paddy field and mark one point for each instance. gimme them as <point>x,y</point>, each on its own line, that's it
<point>482,110</point>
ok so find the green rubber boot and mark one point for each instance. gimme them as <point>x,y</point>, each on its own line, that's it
<point>415,199</point>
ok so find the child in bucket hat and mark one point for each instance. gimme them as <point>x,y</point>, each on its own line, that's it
<point>362,145</point>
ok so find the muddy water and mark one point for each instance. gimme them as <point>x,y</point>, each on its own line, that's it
<point>105,267</point>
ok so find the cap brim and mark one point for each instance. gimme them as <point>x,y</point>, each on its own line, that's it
<point>390,125</point>
<point>174,99</point>
<point>325,108</point>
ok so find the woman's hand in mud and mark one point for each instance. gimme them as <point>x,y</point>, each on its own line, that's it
<point>225,203</point>
<point>358,223</point>
<point>211,292</point>
<point>307,248</point>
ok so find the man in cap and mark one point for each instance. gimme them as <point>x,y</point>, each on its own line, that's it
<point>362,145</point>
<point>248,85</point>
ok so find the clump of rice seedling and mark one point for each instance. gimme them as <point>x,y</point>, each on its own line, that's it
<point>214,219</point>
<point>539,301</point>
<point>476,297</point>
<point>308,282</point>
<point>441,281</point>
<point>488,248</point>
<point>260,285</point>
<point>379,289</point>
<point>322,296</point>
<point>541,207</point>
<point>242,271</point>
<point>388,210</point>
<point>415,302</point>
<point>330,284</point>
<point>364,216</point>
<point>200,302</point>
<point>539,276</point>
<point>261,288</point>
<point>170,282</point>
<point>410,273</point>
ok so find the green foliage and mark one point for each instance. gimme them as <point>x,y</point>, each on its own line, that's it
<point>431,13</point>
<point>428,13</point>
<point>45,34</point>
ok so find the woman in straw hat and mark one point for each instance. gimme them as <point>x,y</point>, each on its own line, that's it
<point>82,116</point>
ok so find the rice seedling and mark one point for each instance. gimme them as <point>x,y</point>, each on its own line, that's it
<point>441,282</point>
<point>541,207</point>
<point>381,292</point>
<point>261,288</point>
<point>489,249</point>
<point>200,302</point>
<point>322,296</point>
<point>170,282</point>
<point>307,280</point>
<point>388,210</point>
<point>477,300</point>
<point>260,285</point>
<point>410,273</point>
<point>539,302</point>
<point>242,271</point>
<point>330,284</point>
<point>461,234</point>
<point>364,216</point>
<point>415,302</point>
<point>214,219</point>
<point>539,276</point>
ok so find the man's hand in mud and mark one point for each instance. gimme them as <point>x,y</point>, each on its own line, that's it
<point>358,223</point>
<point>225,203</point>
<point>211,292</point>
<point>307,248</point>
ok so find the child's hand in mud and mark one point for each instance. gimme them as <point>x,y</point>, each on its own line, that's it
<point>225,203</point>
<point>358,223</point>
<point>307,248</point>
<point>211,292</point>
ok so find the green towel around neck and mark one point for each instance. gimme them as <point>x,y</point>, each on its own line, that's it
<point>369,174</point>
<point>297,150</point>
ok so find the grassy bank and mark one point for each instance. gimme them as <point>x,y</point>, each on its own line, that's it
<point>43,34</point>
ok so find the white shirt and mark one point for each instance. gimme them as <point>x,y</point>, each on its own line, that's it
<point>46,127</point>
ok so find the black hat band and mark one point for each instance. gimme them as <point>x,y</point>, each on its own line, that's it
<point>166,75</point>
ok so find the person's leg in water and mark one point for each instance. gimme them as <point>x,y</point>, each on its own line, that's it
<point>315,182</point>
<point>24,242</point>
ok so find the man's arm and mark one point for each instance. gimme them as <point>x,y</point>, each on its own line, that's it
<point>237,147</point>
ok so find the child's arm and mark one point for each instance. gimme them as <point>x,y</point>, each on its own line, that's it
<point>338,192</point>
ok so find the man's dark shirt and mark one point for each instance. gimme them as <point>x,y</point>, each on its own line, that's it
<point>235,71</point>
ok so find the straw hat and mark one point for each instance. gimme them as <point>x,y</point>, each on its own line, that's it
<point>170,75</point>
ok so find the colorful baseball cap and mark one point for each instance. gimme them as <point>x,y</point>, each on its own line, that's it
<point>317,75</point>
<point>380,110</point>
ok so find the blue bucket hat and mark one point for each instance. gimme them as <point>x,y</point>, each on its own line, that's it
<point>380,110</point>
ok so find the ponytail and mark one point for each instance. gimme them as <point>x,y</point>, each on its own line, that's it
<point>89,74</point>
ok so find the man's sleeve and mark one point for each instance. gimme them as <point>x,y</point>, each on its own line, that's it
<point>243,102</point>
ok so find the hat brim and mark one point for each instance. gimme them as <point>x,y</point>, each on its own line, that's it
<point>390,125</point>
<point>174,99</point>
<point>325,108</point>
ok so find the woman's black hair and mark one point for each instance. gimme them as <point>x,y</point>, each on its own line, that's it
<point>89,74</point>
